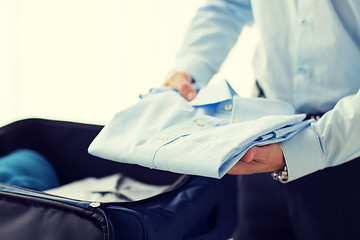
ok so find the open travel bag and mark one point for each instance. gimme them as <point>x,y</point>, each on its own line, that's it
<point>190,207</point>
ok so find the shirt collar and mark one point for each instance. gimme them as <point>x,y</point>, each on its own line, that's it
<point>215,93</point>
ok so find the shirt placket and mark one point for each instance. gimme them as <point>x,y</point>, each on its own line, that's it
<point>302,67</point>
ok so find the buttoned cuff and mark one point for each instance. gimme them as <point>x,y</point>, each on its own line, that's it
<point>303,154</point>
<point>199,68</point>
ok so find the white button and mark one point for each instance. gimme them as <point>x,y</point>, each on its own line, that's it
<point>199,123</point>
<point>236,120</point>
<point>228,106</point>
<point>164,137</point>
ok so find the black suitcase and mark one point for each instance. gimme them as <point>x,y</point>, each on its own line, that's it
<point>192,207</point>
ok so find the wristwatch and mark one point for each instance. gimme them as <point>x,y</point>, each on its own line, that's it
<point>281,175</point>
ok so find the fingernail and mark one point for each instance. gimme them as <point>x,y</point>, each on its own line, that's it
<point>191,96</point>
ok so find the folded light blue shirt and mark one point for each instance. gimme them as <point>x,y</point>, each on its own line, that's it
<point>204,137</point>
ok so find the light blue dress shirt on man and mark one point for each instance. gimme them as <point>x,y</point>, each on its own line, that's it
<point>309,57</point>
<point>204,137</point>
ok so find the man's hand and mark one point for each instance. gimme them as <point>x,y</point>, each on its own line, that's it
<point>181,81</point>
<point>267,158</point>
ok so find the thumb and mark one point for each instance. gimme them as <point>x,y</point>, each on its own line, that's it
<point>249,155</point>
<point>187,91</point>
<point>181,81</point>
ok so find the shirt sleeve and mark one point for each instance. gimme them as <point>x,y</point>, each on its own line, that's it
<point>329,142</point>
<point>211,35</point>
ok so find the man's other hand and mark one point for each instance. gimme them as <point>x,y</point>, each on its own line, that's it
<point>267,158</point>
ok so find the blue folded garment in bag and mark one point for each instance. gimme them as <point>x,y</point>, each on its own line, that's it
<point>204,137</point>
<point>28,169</point>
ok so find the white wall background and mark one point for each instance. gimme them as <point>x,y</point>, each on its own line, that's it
<point>84,60</point>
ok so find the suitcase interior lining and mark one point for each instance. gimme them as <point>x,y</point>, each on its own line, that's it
<point>65,145</point>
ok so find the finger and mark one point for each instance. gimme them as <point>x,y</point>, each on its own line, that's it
<point>239,168</point>
<point>243,168</point>
<point>187,91</point>
<point>183,86</point>
<point>249,155</point>
<point>270,157</point>
<point>181,81</point>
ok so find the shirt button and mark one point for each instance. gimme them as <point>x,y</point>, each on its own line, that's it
<point>164,137</point>
<point>228,106</point>
<point>301,70</point>
<point>236,120</point>
<point>199,123</point>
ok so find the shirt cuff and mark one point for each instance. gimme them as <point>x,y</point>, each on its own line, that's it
<point>303,154</point>
<point>201,71</point>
